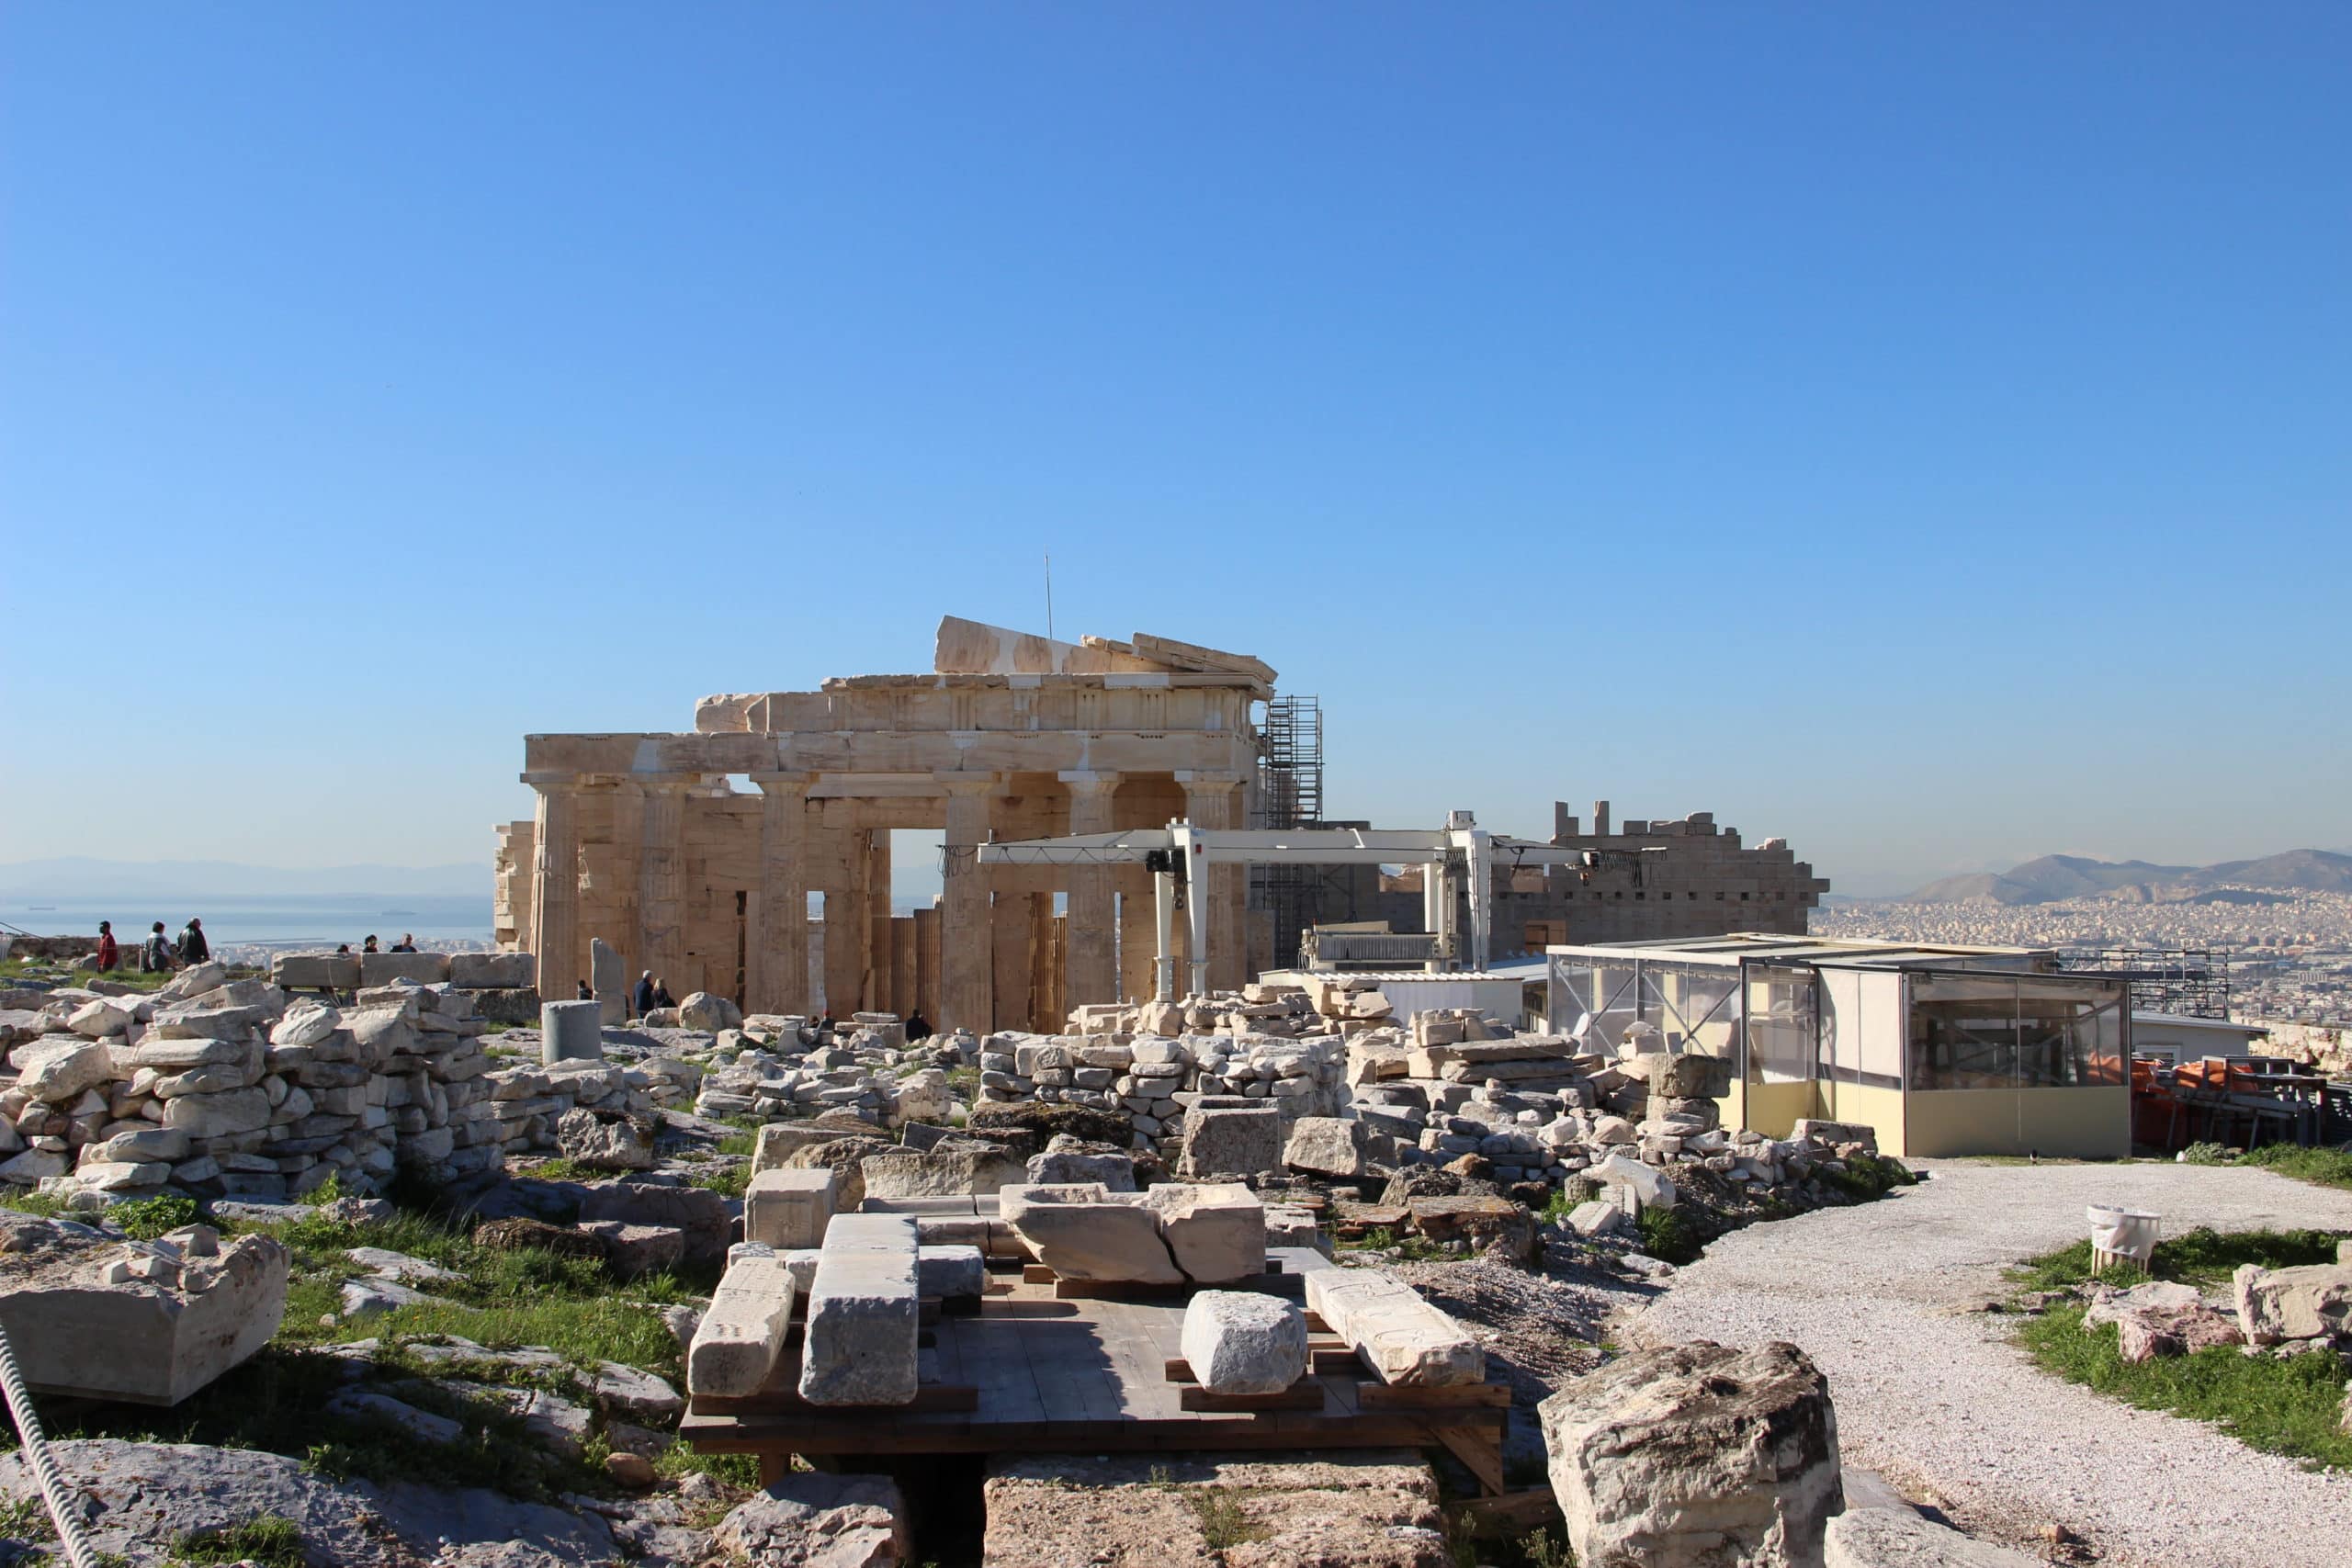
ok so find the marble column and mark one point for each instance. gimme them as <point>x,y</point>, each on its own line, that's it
<point>661,880</point>
<point>1137,939</point>
<point>843,859</point>
<point>555,885</point>
<point>1090,972</point>
<point>964,951</point>
<point>629,873</point>
<point>1212,800</point>
<point>878,955</point>
<point>780,947</point>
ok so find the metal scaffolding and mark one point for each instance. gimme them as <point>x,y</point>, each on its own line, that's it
<point>2187,982</point>
<point>1290,795</point>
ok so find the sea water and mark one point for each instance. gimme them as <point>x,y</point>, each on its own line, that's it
<point>326,918</point>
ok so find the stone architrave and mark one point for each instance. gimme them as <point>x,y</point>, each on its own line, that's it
<point>864,1314</point>
<point>1696,1453</point>
<point>1392,1329</point>
<point>736,1343</point>
<point>572,1031</point>
<point>608,977</point>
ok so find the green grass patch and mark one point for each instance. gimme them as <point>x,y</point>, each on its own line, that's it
<point>271,1540</point>
<point>561,1170</point>
<point>2325,1167</point>
<point>730,1179</point>
<point>2201,1257</point>
<point>1669,1234</point>
<point>1869,1177</point>
<point>1408,1248</point>
<point>147,1218</point>
<point>2287,1406</point>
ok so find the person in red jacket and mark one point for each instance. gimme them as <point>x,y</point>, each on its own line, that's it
<point>110,954</point>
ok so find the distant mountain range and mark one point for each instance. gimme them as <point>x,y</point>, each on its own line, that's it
<point>2055,878</point>
<point>80,876</point>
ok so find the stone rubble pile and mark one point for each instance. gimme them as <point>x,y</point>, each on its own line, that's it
<point>232,1088</point>
<point>1276,1051</point>
<point>769,1067</point>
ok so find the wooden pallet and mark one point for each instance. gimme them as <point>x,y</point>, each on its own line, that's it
<point>1039,1373</point>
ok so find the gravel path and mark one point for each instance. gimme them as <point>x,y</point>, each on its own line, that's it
<point>1930,1395</point>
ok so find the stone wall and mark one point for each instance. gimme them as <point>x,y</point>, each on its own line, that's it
<point>1705,883</point>
<point>233,1088</point>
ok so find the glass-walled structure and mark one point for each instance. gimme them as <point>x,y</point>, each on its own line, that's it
<point>1942,1050</point>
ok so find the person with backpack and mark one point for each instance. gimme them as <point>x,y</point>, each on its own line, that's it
<point>194,949</point>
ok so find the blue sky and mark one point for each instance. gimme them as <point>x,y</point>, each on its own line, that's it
<point>1919,432</point>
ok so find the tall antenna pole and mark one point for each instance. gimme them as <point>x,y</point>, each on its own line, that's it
<point>1049,595</point>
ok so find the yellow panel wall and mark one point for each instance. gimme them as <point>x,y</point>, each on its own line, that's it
<point>1773,1109</point>
<point>1881,1110</point>
<point>2066,1124</point>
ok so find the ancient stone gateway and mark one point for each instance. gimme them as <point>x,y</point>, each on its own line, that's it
<point>643,841</point>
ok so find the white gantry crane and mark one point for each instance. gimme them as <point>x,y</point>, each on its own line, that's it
<point>1180,856</point>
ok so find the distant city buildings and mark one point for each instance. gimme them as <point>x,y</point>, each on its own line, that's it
<point>2289,954</point>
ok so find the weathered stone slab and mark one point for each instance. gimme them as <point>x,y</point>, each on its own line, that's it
<point>779,1140</point>
<point>809,1520</point>
<point>159,1335</point>
<point>1392,1329</point>
<point>315,971</point>
<point>493,970</point>
<point>609,979</point>
<point>1244,1341</point>
<point>382,968</point>
<point>1084,1233</point>
<point>1326,1145</point>
<point>947,1169</point>
<point>1234,1141</point>
<point>1902,1537</point>
<point>2293,1303</point>
<point>864,1314</point>
<point>790,1207</point>
<point>1362,1508</point>
<point>1216,1234</point>
<point>741,1334</point>
<point>950,1273</point>
<point>1698,1453</point>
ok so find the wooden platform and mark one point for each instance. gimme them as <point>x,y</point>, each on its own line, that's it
<point>1032,1373</point>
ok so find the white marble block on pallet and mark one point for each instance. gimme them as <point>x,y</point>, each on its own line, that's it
<point>790,1207</point>
<point>735,1345</point>
<point>864,1314</point>
<point>1244,1341</point>
<point>1394,1331</point>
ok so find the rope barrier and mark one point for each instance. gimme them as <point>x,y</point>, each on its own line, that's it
<point>53,1490</point>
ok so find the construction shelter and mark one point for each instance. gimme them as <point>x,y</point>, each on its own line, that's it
<point>1943,1050</point>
